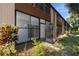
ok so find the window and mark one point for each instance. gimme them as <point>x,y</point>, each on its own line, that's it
<point>48,30</point>
<point>34,21</point>
<point>47,10</point>
<point>40,5</point>
<point>43,7</point>
<point>35,33</point>
<point>23,35</point>
<point>42,21</point>
<point>59,19</point>
<point>28,27</point>
<point>34,27</point>
<point>42,29</point>
<point>59,29</point>
<point>22,22</point>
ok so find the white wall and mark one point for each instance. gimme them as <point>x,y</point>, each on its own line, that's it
<point>7,13</point>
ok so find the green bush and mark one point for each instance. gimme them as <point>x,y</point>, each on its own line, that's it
<point>75,28</point>
<point>35,42</point>
<point>39,48</point>
<point>8,49</point>
<point>8,35</point>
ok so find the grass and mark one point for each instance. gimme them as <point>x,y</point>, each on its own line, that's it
<point>70,44</point>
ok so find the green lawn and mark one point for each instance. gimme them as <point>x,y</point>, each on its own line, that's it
<point>70,44</point>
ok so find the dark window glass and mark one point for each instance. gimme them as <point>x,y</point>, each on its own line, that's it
<point>48,30</point>
<point>35,32</point>
<point>59,29</point>
<point>47,10</point>
<point>43,7</point>
<point>40,5</point>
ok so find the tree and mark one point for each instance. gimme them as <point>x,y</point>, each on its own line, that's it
<point>71,20</point>
<point>74,12</point>
<point>73,9</point>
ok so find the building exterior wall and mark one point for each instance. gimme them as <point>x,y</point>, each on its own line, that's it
<point>63,29</point>
<point>59,25</point>
<point>54,17</point>
<point>30,9</point>
<point>7,13</point>
<point>54,22</point>
<point>28,15</point>
<point>33,13</point>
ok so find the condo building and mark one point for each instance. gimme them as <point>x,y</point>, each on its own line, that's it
<point>34,20</point>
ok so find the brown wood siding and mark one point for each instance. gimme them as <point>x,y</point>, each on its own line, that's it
<point>28,8</point>
<point>59,23</point>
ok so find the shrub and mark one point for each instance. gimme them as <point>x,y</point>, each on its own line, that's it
<point>8,49</point>
<point>35,42</point>
<point>39,48</point>
<point>75,28</point>
<point>8,33</point>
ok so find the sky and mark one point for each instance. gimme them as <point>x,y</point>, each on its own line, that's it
<point>62,9</point>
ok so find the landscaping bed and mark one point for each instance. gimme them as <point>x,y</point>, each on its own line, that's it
<point>66,46</point>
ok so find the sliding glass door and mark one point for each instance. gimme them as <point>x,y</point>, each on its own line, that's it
<point>42,29</point>
<point>48,31</point>
<point>22,22</point>
<point>31,27</point>
<point>34,27</point>
<point>28,27</point>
